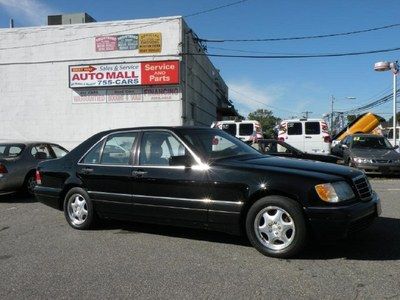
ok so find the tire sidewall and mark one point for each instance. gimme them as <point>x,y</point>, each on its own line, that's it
<point>88,223</point>
<point>295,211</point>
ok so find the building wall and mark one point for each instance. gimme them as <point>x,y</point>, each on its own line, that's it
<point>205,88</point>
<point>36,101</point>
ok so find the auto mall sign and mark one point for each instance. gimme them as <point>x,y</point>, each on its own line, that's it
<point>124,74</point>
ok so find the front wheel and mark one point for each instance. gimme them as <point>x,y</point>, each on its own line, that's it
<point>276,227</point>
<point>78,209</point>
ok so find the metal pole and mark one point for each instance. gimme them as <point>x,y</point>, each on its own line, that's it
<point>394,108</point>
<point>332,99</point>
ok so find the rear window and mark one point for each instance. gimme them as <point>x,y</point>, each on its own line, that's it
<point>313,128</point>
<point>11,150</point>
<point>295,128</point>
<point>246,129</point>
<point>229,128</point>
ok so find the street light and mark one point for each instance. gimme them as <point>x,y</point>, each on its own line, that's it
<point>394,67</point>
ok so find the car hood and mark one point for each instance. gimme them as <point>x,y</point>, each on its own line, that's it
<point>292,164</point>
<point>375,153</point>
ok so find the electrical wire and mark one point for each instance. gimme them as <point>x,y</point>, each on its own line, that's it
<point>301,37</point>
<point>128,29</point>
<point>296,56</point>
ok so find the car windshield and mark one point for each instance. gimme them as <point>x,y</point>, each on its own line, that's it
<point>214,144</point>
<point>371,142</point>
<point>11,150</point>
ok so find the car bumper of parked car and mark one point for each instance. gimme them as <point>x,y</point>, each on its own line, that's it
<point>339,222</point>
<point>48,196</point>
<point>6,187</point>
<point>379,168</point>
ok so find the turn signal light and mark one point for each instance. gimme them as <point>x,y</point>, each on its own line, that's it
<point>38,177</point>
<point>3,169</point>
<point>327,139</point>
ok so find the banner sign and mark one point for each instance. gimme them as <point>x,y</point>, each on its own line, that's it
<point>126,95</point>
<point>124,74</point>
<point>145,42</point>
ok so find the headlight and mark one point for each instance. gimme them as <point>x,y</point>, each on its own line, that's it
<point>361,160</point>
<point>334,192</point>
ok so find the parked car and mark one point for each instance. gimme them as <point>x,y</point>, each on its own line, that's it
<point>308,135</point>
<point>279,148</point>
<point>371,153</point>
<point>18,163</point>
<point>203,177</point>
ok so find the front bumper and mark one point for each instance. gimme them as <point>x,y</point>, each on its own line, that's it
<point>377,168</point>
<point>339,222</point>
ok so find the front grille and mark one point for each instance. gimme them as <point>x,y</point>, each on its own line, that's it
<point>363,188</point>
<point>361,224</point>
<point>382,161</point>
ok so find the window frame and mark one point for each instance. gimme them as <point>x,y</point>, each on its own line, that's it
<point>132,150</point>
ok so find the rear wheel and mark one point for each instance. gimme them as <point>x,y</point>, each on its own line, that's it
<point>276,227</point>
<point>78,209</point>
<point>29,184</point>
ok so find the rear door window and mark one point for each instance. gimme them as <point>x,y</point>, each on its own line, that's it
<point>93,156</point>
<point>118,148</point>
<point>229,128</point>
<point>295,128</point>
<point>246,129</point>
<point>313,128</point>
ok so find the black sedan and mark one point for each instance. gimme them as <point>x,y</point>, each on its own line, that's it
<point>202,177</point>
<point>280,148</point>
<point>371,153</point>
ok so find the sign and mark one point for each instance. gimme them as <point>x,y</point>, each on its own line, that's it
<point>106,43</point>
<point>124,74</point>
<point>126,95</point>
<point>91,96</point>
<point>161,94</point>
<point>145,42</point>
<point>128,42</point>
<point>150,42</point>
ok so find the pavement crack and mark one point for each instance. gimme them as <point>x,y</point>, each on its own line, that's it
<point>4,228</point>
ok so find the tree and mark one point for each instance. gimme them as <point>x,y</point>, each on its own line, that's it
<point>267,120</point>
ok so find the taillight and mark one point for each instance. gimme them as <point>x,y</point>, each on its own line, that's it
<point>3,169</point>
<point>281,139</point>
<point>38,177</point>
<point>327,139</point>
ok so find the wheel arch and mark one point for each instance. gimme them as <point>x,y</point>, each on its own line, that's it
<point>257,196</point>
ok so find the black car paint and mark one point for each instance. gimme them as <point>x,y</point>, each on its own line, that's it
<point>215,198</point>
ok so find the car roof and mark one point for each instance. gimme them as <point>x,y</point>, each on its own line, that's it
<point>26,143</point>
<point>366,135</point>
<point>172,128</point>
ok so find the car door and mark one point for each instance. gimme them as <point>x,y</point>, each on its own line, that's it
<point>166,189</point>
<point>313,137</point>
<point>106,173</point>
<point>295,135</point>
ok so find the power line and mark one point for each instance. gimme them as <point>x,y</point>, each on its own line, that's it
<point>300,37</point>
<point>297,56</point>
<point>370,105</point>
<point>129,29</point>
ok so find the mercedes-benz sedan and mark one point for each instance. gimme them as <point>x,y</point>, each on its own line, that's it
<point>201,177</point>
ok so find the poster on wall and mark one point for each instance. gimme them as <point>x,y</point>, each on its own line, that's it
<point>126,95</point>
<point>146,42</point>
<point>124,74</point>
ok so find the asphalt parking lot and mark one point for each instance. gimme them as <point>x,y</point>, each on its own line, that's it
<point>42,257</point>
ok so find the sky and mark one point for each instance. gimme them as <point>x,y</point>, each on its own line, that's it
<point>288,87</point>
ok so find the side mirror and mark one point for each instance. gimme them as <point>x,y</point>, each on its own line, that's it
<point>181,160</point>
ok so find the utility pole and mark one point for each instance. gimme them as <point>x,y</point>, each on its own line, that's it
<point>11,23</point>
<point>306,113</point>
<point>332,101</point>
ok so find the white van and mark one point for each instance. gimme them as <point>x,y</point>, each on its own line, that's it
<point>246,131</point>
<point>308,135</point>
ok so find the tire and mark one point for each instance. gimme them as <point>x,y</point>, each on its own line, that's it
<point>279,219</point>
<point>78,209</point>
<point>29,184</point>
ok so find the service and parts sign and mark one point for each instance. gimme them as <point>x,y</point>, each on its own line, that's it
<point>124,74</point>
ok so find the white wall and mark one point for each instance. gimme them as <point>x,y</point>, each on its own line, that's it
<point>35,100</point>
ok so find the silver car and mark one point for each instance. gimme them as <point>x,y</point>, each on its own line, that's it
<point>18,163</point>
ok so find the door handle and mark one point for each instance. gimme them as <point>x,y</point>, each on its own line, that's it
<point>139,173</point>
<point>308,137</point>
<point>87,170</point>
